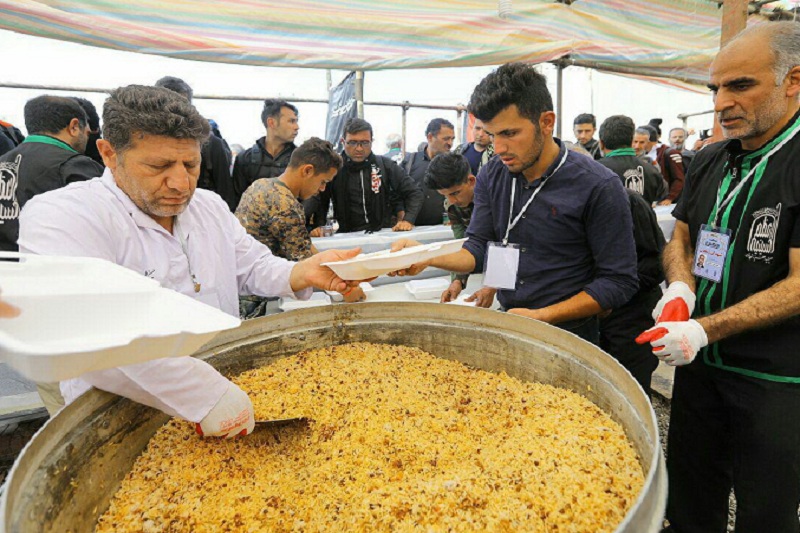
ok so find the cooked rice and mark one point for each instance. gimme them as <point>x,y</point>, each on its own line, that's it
<point>399,440</point>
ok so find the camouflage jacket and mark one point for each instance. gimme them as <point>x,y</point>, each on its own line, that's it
<point>270,213</point>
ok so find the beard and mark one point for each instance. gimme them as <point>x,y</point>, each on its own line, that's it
<point>154,204</point>
<point>532,156</point>
<point>762,119</point>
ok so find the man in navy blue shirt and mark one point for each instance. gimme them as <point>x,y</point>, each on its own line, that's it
<point>569,216</point>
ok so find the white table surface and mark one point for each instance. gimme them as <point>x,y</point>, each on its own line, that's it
<point>381,240</point>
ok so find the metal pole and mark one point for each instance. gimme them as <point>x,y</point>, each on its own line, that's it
<point>403,132</point>
<point>559,96</point>
<point>459,128</point>
<point>328,79</point>
<point>360,93</point>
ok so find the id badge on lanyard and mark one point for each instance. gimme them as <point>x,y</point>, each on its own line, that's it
<point>502,264</point>
<point>502,258</point>
<point>711,251</point>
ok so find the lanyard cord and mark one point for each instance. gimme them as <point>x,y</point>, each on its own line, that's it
<point>720,204</point>
<point>511,224</point>
<point>185,248</point>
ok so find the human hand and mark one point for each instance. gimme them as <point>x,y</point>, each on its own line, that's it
<point>310,272</point>
<point>354,294</point>
<point>676,305</point>
<point>665,202</point>
<point>413,270</point>
<point>7,310</point>
<point>675,343</point>
<point>316,232</point>
<point>232,416</point>
<point>451,292</point>
<point>482,297</point>
<point>403,225</point>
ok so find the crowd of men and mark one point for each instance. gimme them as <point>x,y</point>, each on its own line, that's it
<point>563,233</point>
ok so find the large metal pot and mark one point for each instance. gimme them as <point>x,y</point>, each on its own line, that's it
<point>66,476</point>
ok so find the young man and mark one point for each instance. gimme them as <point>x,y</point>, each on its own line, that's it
<point>271,209</point>
<point>440,134</point>
<point>51,157</point>
<point>479,151</point>
<point>737,386</point>
<point>544,211</point>
<point>146,214</point>
<point>371,191</point>
<point>449,174</point>
<point>269,156</point>
<point>584,127</point>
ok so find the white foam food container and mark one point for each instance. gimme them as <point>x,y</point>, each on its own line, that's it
<point>427,289</point>
<point>339,297</point>
<point>317,299</point>
<point>366,266</point>
<point>83,314</point>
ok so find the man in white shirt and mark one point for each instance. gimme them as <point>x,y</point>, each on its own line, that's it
<point>145,213</point>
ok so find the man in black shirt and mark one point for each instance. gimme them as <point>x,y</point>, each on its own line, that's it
<point>371,191</point>
<point>734,420</point>
<point>270,155</point>
<point>616,135</point>
<point>440,134</point>
<point>49,158</point>
<point>478,152</point>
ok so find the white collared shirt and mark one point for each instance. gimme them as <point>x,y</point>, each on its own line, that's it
<point>96,218</point>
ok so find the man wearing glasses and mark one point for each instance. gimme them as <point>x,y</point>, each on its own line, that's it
<point>371,191</point>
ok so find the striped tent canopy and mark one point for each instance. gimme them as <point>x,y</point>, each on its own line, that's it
<point>653,38</point>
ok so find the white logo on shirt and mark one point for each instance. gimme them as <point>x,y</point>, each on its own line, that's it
<point>9,181</point>
<point>634,179</point>
<point>761,240</point>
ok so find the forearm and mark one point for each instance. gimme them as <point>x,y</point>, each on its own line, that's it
<point>579,306</point>
<point>757,311</point>
<point>678,257</point>
<point>461,262</point>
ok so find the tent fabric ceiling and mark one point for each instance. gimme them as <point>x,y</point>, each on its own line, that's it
<point>654,38</point>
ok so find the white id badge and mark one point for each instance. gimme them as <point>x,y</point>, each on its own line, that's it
<point>710,252</point>
<point>502,263</point>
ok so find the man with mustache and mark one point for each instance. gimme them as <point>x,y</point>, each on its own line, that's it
<point>146,213</point>
<point>734,267</point>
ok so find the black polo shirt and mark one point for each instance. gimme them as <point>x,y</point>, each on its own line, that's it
<point>763,218</point>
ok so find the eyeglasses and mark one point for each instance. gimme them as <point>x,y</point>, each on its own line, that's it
<point>360,144</point>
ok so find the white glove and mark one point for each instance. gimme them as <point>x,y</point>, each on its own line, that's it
<point>675,343</point>
<point>230,417</point>
<point>679,302</point>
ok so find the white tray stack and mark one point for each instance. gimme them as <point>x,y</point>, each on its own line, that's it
<point>83,314</point>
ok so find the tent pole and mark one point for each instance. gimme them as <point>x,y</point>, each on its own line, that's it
<point>734,20</point>
<point>559,96</point>
<point>360,93</point>
<point>404,149</point>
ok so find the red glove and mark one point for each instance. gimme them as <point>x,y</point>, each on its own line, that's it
<point>675,343</point>
<point>676,305</point>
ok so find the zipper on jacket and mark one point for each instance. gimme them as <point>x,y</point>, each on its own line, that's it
<point>363,197</point>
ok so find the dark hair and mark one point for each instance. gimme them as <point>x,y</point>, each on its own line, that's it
<point>447,170</point>
<point>316,152</point>
<point>617,132</point>
<point>272,108</point>
<point>655,123</point>
<point>176,85</point>
<point>91,113</point>
<point>436,125</point>
<point>648,130</point>
<point>355,125</point>
<point>585,118</point>
<point>150,111</point>
<point>51,114</point>
<point>512,84</point>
